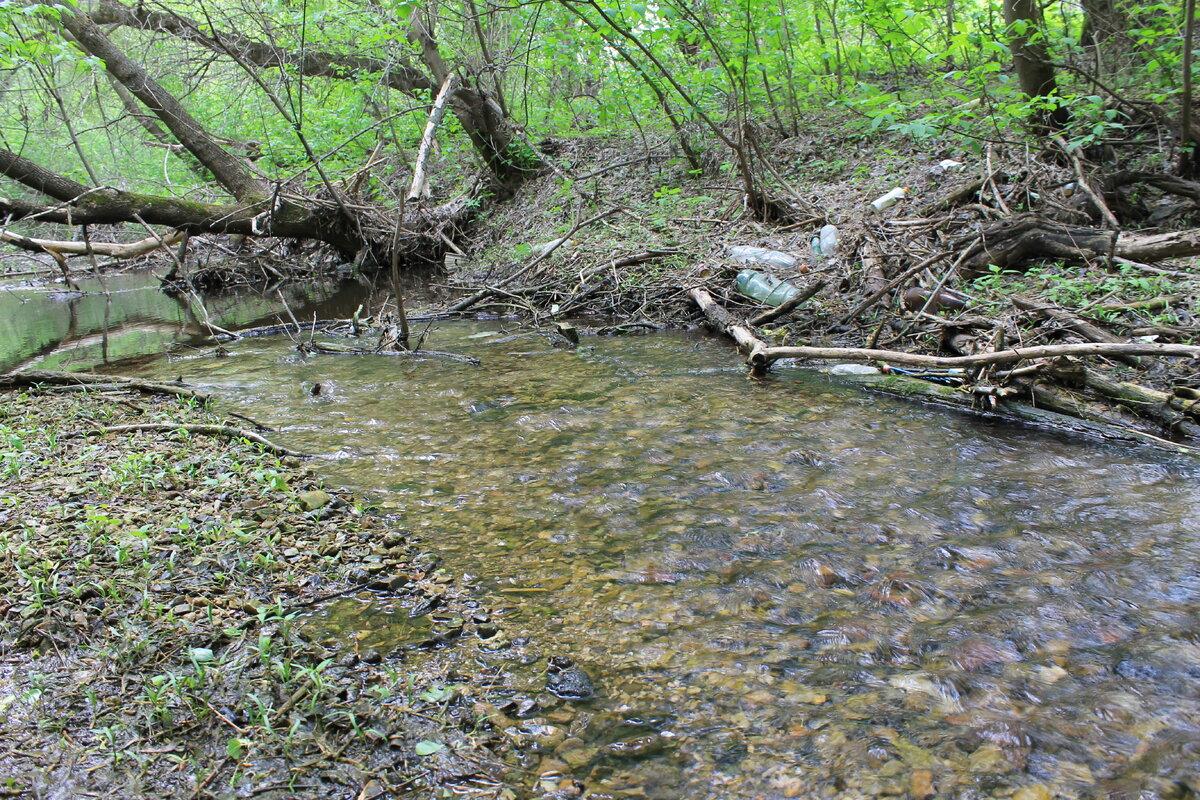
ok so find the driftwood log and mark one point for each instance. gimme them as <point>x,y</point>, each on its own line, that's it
<point>1014,241</point>
<point>723,322</point>
<point>984,398</point>
<point>766,355</point>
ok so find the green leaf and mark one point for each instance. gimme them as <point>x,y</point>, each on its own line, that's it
<point>428,748</point>
<point>437,694</point>
<point>236,747</point>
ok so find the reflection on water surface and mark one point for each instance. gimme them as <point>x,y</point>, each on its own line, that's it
<point>782,589</point>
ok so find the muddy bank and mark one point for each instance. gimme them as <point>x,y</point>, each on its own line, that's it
<point>159,637</point>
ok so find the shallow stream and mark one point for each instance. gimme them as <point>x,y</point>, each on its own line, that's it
<point>784,588</point>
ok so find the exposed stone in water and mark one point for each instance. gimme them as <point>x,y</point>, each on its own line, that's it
<point>1037,791</point>
<point>569,681</point>
<point>637,747</point>
<point>921,784</point>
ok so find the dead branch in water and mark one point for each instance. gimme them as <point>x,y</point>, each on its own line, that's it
<point>317,347</point>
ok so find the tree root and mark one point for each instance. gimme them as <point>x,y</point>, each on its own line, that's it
<point>1014,241</point>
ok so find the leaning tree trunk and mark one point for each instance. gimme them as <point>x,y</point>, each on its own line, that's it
<point>1031,59</point>
<point>226,168</point>
<point>489,128</point>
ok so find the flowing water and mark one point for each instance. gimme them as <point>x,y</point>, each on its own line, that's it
<point>784,588</point>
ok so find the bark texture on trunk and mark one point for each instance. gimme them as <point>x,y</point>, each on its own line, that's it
<point>1031,57</point>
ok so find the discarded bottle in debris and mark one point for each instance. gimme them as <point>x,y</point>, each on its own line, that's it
<point>890,199</point>
<point>743,254</point>
<point>765,288</point>
<point>828,240</point>
<point>853,369</point>
<point>539,250</point>
<point>914,299</point>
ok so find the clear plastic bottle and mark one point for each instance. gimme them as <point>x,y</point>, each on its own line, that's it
<point>765,288</point>
<point>743,254</point>
<point>828,239</point>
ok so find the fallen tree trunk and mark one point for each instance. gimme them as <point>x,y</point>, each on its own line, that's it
<point>769,355</point>
<point>1015,241</point>
<point>1168,410</point>
<point>285,215</point>
<point>938,394</point>
<point>905,386</point>
<point>33,378</point>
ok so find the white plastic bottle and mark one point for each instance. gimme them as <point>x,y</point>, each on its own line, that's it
<point>890,199</point>
<point>828,239</point>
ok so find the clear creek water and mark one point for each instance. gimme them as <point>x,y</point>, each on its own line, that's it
<point>784,588</point>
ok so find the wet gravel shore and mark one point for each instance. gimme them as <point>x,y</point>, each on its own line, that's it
<point>155,592</point>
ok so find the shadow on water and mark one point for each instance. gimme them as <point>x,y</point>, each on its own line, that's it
<point>781,589</point>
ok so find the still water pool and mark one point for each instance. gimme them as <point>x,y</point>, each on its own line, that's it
<point>783,588</point>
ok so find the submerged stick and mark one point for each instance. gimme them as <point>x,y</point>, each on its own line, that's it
<point>317,347</point>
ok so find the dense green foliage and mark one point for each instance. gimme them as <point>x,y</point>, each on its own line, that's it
<point>707,74</point>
